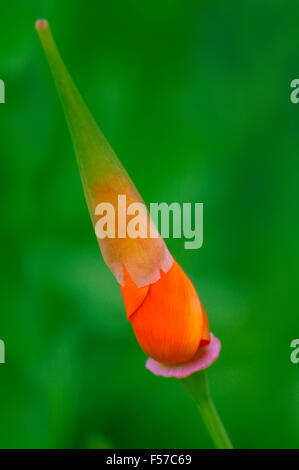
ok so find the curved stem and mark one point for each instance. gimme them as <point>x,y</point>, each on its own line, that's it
<point>198,388</point>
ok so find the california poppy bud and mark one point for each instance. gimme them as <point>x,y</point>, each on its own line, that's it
<point>167,317</point>
<point>160,300</point>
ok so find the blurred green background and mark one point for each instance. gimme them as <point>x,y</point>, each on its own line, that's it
<point>194,98</point>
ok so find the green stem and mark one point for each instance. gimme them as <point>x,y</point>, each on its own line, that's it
<point>198,388</point>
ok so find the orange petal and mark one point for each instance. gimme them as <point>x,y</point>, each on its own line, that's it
<point>132,295</point>
<point>205,338</point>
<point>170,322</point>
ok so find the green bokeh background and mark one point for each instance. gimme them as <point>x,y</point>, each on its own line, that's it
<point>194,98</point>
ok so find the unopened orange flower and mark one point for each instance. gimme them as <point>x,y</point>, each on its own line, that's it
<point>160,300</point>
<point>167,316</point>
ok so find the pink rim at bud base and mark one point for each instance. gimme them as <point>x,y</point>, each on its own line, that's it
<point>203,359</point>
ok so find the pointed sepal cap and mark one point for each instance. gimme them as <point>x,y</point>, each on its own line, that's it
<point>104,179</point>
